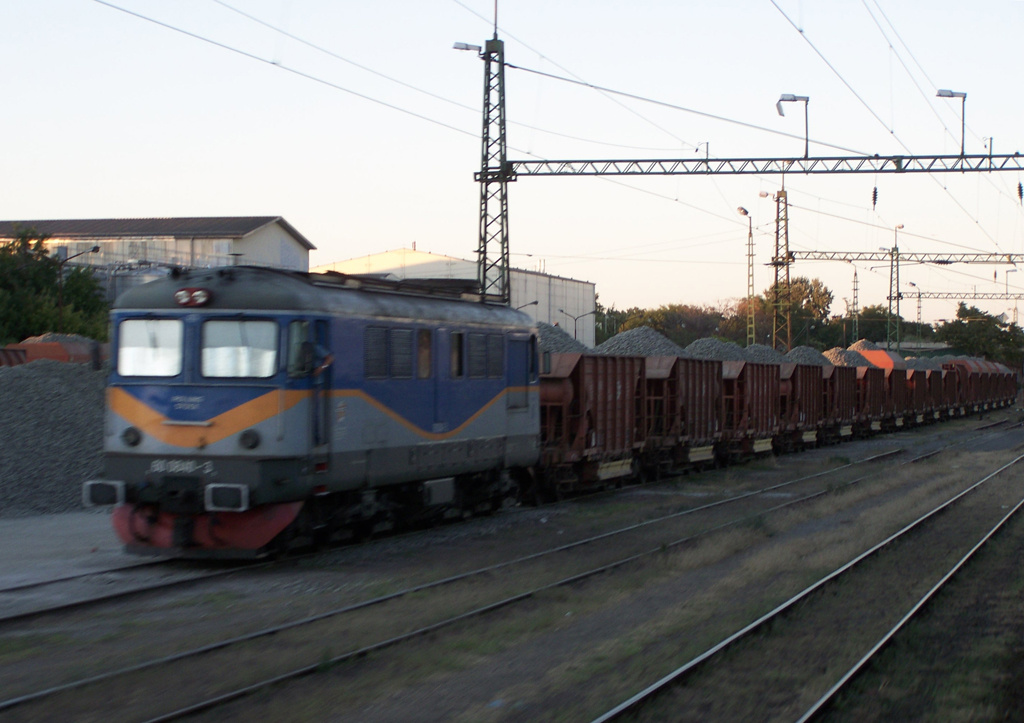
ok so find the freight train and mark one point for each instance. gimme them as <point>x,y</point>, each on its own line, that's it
<point>250,410</point>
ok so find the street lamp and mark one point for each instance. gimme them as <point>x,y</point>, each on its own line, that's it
<point>963,109</point>
<point>575,319</point>
<point>529,303</point>
<point>790,98</point>
<point>750,274</point>
<point>60,284</point>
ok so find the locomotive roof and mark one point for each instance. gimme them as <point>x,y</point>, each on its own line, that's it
<point>248,288</point>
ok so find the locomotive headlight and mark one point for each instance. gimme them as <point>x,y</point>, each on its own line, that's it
<point>131,436</point>
<point>191,296</point>
<point>249,439</point>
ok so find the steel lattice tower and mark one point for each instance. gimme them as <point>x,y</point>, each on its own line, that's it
<point>494,176</point>
<point>782,298</point>
<point>751,330</point>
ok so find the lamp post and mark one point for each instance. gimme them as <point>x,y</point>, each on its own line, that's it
<point>790,98</point>
<point>750,274</point>
<point>576,319</point>
<point>963,110</point>
<point>529,303</point>
<point>60,284</point>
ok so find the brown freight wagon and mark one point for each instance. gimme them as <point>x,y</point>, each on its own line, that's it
<point>896,407</point>
<point>684,412</point>
<point>871,401</point>
<point>839,392</point>
<point>800,406</point>
<point>920,403</point>
<point>968,385</point>
<point>592,419</point>
<point>751,396</point>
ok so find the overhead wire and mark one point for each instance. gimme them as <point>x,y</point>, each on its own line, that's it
<point>875,115</point>
<point>286,68</point>
<point>421,116</point>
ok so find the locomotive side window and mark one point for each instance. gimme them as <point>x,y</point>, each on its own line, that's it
<point>401,353</point>
<point>375,352</point>
<point>457,370</point>
<point>298,334</point>
<point>150,348</point>
<point>495,356</point>
<point>533,359</point>
<point>423,356</point>
<point>477,356</point>
<point>239,349</point>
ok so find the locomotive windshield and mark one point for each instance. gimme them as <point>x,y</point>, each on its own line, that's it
<point>239,349</point>
<point>150,347</point>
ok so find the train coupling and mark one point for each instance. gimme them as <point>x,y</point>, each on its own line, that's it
<point>102,493</point>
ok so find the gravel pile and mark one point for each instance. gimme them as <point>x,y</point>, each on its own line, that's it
<point>641,341</point>
<point>846,358</point>
<point>715,349</point>
<point>51,427</point>
<point>764,354</point>
<point>864,345</point>
<point>556,341</point>
<point>807,355</point>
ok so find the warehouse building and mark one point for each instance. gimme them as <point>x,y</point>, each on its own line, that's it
<point>129,251</point>
<point>568,303</point>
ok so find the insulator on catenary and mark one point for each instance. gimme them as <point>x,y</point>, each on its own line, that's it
<point>1020,192</point>
<point>874,197</point>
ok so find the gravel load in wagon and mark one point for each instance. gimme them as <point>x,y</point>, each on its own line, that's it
<point>914,362</point>
<point>556,341</point>
<point>847,358</point>
<point>762,354</point>
<point>864,345</point>
<point>715,349</point>
<point>51,337</point>
<point>641,341</point>
<point>809,356</point>
<point>52,435</point>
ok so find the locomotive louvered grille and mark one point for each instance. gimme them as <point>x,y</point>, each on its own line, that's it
<point>477,356</point>
<point>401,353</point>
<point>375,353</point>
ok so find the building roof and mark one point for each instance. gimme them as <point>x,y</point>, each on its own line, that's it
<point>199,227</point>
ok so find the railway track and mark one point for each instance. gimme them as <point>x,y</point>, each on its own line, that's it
<point>61,691</point>
<point>780,630</point>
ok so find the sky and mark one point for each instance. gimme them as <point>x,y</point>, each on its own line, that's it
<point>360,124</point>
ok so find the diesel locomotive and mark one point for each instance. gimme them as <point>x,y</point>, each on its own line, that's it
<point>249,409</point>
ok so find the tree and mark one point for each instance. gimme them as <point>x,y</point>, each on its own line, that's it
<point>30,293</point>
<point>976,333</point>
<point>681,323</point>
